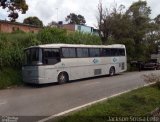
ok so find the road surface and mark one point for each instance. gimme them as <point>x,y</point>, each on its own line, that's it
<point>52,99</point>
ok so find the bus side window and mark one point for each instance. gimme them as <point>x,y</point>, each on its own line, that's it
<point>68,52</point>
<point>72,52</point>
<point>85,52</point>
<point>82,52</point>
<point>106,52</point>
<point>51,56</point>
<point>94,52</point>
<point>65,52</point>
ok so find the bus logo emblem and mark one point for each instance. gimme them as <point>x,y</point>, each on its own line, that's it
<point>95,61</point>
<point>114,60</point>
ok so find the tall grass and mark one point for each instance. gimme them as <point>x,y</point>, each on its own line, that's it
<point>12,45</point>
<point>11,48</point>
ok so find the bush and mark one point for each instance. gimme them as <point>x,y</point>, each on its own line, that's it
<point>10,77</point>
<point>52,35</point>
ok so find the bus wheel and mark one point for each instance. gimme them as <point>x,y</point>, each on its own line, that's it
<point>62,78</point>
<point>112,71</point>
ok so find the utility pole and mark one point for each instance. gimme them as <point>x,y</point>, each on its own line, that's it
<point>57,14</point>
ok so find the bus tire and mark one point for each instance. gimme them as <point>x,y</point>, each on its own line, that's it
<point>112,71</point>
<point>62,78</point>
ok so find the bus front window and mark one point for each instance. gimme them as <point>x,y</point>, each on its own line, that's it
<point>33,56</point>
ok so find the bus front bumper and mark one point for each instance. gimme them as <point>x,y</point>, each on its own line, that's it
<point>34,81</point>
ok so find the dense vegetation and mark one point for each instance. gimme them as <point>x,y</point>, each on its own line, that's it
<point>13,44</point>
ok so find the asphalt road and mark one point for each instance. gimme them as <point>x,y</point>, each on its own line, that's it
<point>52,99</point>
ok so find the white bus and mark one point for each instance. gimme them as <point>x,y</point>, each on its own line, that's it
<point>63,62</point>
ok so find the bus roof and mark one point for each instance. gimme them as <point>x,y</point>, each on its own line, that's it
<point>78,45</point>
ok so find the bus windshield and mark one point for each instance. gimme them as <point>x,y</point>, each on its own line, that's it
<point>33,56</point>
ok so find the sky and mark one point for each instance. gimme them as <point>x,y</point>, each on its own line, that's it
<point>57,10</point>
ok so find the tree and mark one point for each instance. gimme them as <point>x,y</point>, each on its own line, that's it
<point>112,23</point>
<point>33,21</point>
<point>157,31</point>
<point>132,27</point>
<point>139,15</point>
<point>53,24</point>
<point>73,18</point>
<point>104,20</point>
<point>157,19</point>
<point>157,24</point>
<point>13,7</point>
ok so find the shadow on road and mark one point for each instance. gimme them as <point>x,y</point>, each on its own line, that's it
<point>72,81</point>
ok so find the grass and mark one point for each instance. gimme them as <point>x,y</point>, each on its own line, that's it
<point>10,77</point>
<point>136,103</point>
